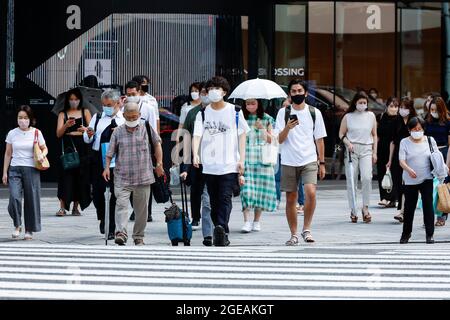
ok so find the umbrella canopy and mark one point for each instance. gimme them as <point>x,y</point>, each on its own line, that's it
<point>91,100</point>
<point>258,89</point>
<point>352,182</point>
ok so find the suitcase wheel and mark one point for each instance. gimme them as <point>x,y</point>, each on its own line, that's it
<point>174,243</point>
<point>187,243</point>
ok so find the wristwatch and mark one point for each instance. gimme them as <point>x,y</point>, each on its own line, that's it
<point>322,163</point>
<point>158,165</point>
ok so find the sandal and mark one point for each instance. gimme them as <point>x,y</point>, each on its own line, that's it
<point>61,213</point>
<point>390,204</point>
<point>440,222</point>
<point>293,241</point>
<point>367,218</point>
<point>383,203</point>
<point>75,212</point>
<point>354,218</point>
<point>399,217</point>
<point>307,237</point>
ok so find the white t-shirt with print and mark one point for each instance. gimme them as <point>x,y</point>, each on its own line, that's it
<point>219,153</point>
<point>299,148</point>
<point>22,146</point>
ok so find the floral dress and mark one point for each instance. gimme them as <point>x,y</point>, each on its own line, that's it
<point>259,188</point>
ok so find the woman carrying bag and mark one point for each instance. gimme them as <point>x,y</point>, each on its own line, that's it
<point>73,168</point>
<point>258,192</point>
<point>21,172</point>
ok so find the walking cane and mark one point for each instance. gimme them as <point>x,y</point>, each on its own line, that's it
<point>107,199</point>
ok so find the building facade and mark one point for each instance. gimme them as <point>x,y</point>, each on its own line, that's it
<point>47,47</point>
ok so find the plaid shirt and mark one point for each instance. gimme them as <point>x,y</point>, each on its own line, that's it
<point>255,139</point>
<point>133,159</point>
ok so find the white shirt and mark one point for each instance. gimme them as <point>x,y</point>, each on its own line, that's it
<point>417,156</point>
<point>184,111</point>
<point>360,126</point>
<point>299,148</point>
<point>23,146</point>
<point>153,102</point>
<point>148,113</point>
<point>103,123</point>
<point>219,146</point>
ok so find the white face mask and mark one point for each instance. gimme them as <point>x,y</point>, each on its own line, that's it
<point>404,112</point>
<point>195,95</point>
<point>215,95</point>
<point>132,124</point>
<point>361,107</point>
<point>435,115</point>
<point>23,123</point>
<point>133,99</point>
<point>205,100</point>
<point>74,103</point>
<point>416,135</point>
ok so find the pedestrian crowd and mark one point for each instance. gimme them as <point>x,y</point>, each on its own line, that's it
<point>225,150</point>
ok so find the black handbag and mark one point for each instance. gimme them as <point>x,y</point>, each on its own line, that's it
<point>160,189</point>
<point>70,160</point>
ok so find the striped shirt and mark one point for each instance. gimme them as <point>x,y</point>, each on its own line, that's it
<point>133,159</point>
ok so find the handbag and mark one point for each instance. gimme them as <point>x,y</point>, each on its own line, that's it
<point>438,166</point>
<point>70,160</point>
<point>387,182</point>
<point>160,189</point>
<point>443,197</point>
<point>37,152</point>
<point>269,154</point>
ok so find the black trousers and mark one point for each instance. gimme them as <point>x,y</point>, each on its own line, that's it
<point>411,196</point>
<point>397,179</point>
<point>220,189</point>
<point>99,187</point>
<point>198,181</point>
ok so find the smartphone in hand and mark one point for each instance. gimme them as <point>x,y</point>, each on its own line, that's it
<point>293,117</point>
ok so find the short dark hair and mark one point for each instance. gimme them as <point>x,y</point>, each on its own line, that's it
<point>373,89</point>
<point>301,82</point>
<point>409,103</point>
<point>27,109</point>
<point>77,93</point>
<point>414,121</point>
<point>259,111</point>
<point>140,79</point>
<point>357,96</point>
<point>219,82</point>
<point>132,84</point>
<point>196,85</point>
<point>392,100</point>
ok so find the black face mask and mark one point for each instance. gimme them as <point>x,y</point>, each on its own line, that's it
<point>144,88</point>
<point>298,99</point>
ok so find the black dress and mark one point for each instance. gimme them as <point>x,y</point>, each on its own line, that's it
<point>401,132</point>
<point>74,184</point>
<point>386,131</point>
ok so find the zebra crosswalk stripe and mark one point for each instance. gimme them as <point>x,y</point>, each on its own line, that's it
<point>82,272</point>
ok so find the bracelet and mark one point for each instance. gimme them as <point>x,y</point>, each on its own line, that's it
<point>322,162</point>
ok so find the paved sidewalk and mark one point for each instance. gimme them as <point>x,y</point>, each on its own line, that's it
<point>331,224</point>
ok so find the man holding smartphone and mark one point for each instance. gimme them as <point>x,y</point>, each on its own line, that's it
<point>301,131</point>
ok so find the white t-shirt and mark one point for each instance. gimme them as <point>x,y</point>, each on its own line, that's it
<point>417,156</point>
<point>148,113</point>
<point>102,124</point>
<point>185,108</point>
<point>153,102</point>
<point>219,153</point>
<point>299,148</point>
<point>22,146</point>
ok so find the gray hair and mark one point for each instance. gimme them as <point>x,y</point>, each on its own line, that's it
<point>112,94</point>
<point>131,107</point>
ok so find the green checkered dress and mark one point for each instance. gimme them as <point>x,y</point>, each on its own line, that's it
<point>259,189</point>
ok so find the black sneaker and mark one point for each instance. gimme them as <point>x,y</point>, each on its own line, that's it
<point>429,240</point>
<point>195,225</point>
<point>111,236</point>
<point>226,241</point>
<point>149,219</point>
<point>207,241</point>
<point>132,217</point>
<point>102,227</point>
<point>219,236</point>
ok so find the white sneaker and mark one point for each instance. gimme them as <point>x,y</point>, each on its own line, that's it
<point>256,226</point>
<point>16,233</point>
<point>28,236</point>
<point>247,227</point>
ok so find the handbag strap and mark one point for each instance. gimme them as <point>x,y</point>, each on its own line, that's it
<point>36,136</point>
<point>429,143</point>
<point>73,144</point>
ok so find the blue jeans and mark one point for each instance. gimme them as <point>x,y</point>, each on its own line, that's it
<point>207,224</point>
<point>301,194</point>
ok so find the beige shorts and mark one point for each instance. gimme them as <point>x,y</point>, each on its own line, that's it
<point>290,176</point>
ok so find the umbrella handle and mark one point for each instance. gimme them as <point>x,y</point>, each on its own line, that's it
<point>350,156</point>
